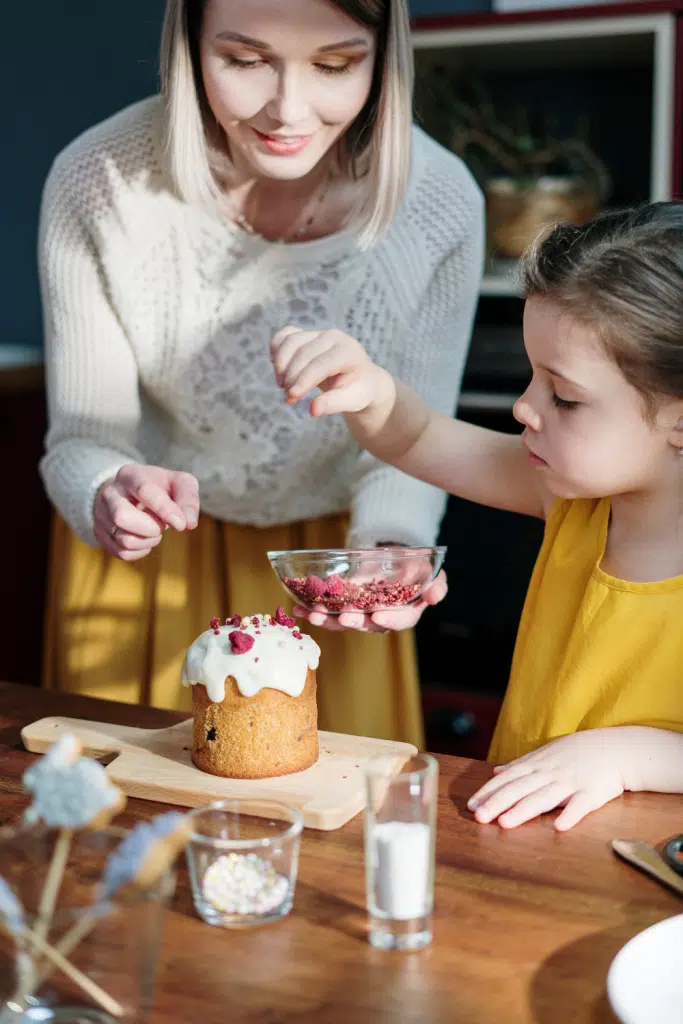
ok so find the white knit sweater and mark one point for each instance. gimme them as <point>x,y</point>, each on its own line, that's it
<point>158,319</point>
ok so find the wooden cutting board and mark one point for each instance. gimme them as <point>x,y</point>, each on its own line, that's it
<point>155,764</point>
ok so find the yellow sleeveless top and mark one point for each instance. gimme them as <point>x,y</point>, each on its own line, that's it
<point>591,650</point>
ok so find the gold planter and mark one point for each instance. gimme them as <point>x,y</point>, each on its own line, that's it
<point>515,215</point>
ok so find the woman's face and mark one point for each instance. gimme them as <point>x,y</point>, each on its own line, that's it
<point>284,79</point>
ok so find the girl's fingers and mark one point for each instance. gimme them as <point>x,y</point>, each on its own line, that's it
<point>581,804</point>
<point>494,784</point>
<point>545,798</point>
<point>308,366</point>
<point>507,795</point>
<point>534,756</point>
<point>286,344</point>
<point>351,396</point>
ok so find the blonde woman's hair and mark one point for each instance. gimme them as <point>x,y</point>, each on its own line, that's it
<point>376,147</point>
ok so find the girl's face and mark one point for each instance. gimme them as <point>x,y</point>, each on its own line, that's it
<point>586,427</point>
<point>284,79</point>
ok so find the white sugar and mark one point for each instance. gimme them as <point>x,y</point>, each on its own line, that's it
<point>401,855</point>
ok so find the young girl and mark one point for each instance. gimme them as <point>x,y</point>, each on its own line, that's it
<point>594,705</point>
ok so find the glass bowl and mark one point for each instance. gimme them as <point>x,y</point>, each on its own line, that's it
<point>357,579</point>
<point>243,856</point>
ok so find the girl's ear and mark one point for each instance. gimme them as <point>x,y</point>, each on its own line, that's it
<point>676,435</point>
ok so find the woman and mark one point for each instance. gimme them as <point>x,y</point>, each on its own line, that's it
<point>277,180</point>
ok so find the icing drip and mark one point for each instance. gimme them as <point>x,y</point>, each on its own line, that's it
<point>278,660</point>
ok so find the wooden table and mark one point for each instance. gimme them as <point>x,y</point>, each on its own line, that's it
<point>526,922</point>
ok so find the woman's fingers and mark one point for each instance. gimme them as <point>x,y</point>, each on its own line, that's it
<point>125,546</point>
<point>437,590</point>
<point>399,618</point>
<point>132,511</point>
<point>185,493</point>
<point>117,510</point>
<point>157,499</point>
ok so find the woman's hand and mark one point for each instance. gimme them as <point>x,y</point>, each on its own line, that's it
<point>332,361</point>
<point>379,622</point>
<point>580,772</point>
<point>133,509</point>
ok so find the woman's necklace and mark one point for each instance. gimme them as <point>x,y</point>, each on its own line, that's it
<point>298,232</point>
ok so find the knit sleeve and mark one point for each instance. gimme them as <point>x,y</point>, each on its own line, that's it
<point>389,505</point>
<point>92,381</point>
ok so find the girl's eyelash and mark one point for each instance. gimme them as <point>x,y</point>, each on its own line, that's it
<point>563,403</point>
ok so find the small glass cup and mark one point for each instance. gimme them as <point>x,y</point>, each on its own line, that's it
<point>400,834</point>
<point>243,857</point>
<point>109,951</point>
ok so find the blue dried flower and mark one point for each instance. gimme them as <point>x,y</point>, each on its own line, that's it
<point>125,863</point>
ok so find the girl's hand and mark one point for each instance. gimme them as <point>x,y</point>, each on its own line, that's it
<point>580,772</point>
<point>329,360</point>
<point>133,509</point>
<point>379,622</point>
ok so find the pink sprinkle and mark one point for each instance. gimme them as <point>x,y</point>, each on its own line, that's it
<point>240,642</point>
<point>256,659</point>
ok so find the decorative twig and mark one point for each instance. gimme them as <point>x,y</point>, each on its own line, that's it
<point>58,958</point>
<point>48,898</point>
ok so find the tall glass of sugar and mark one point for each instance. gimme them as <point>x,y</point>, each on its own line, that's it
<point>400,834</point>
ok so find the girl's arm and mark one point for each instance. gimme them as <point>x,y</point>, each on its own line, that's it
<point>387,504</point>
<point>390,420</point>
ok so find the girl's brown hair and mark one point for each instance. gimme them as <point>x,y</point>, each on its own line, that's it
<point>378,143</point>
<point>622,275</point>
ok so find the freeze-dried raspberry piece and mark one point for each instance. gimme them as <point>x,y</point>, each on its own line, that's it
<point>240,642</point>
<point>215,623</point>
<point>283,619</point>
<point>334,585</point>
<point>234,620</point>
<point>315,587</point>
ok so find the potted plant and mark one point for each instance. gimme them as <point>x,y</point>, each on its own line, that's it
<point>530,179</point>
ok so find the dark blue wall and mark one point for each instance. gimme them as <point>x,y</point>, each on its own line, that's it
<point>63,67</point>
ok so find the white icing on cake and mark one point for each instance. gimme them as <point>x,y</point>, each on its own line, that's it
<point>278,660</point>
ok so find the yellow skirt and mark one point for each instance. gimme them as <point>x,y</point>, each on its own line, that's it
<point>119,630</point>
